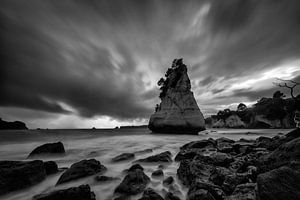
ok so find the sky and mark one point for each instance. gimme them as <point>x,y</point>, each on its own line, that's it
<point>96,63</point>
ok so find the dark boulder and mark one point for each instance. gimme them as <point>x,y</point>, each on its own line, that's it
<point>133,183</point>
<point>49,148</point>
<point>81,169</point>
<point>168,181</point>
<point>187,154</point>
<point>189,171</point>
<point>158,172</point>
<point>83,192</point>
<point>286,154</point>
<point>135,167</point>
<point>150,194</point>
<point>50,167</point>
<point>161,157</point>
<point>123,157</point>
<point>205,190</point>
<point>209,143</point>
<point>15,175</point>
<point>279,184</point>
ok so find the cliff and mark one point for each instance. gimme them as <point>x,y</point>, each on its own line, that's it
<point>178,111</point>
<point>17,125</point>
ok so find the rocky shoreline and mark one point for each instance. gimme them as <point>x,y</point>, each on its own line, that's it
<point>213,169</point>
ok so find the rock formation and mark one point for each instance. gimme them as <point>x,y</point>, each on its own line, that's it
<point>16,125</point>
<point>178,111</point>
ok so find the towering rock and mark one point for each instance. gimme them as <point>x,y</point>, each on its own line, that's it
<point>178,111</point>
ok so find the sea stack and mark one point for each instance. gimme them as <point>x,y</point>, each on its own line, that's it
<point>178,112</point>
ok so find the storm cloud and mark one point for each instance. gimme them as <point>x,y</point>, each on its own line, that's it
<point>92,59</point>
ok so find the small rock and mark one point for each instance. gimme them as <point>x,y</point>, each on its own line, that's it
<point>158,172</point>
<point>83,192</point>
<point>81,169</point>
<point>134,167</point>
<point>168,181</point>
<point>49,148</point>
<point>162,157</point>
<point>123,157</point>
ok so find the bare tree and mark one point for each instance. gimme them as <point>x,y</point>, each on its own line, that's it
<point>290,84</point>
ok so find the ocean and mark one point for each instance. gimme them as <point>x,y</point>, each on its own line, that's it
<point>103,145</point>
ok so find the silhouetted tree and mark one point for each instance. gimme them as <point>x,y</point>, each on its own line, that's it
<point>278,95</point>
<point>290,84</point>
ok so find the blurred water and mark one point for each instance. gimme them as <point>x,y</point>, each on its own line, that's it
<point>103,145</point>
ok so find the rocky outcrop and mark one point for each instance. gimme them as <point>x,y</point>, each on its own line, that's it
<point>15,175</point>
<point>47,149</point>
<point>178,112</point>
<point>81,169</point>
<point>279,184</point>
<point>150,194</point>
<point>233,170</point>
<point>83,192</point>
<point>17,125</point>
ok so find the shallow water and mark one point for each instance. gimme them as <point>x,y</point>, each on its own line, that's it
<point>103,145</point>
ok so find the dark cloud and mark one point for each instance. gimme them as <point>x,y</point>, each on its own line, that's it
<point>103,58</point>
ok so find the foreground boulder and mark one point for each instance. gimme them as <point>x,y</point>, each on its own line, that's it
<point>15,175</point>
<point>133,183</point>
<point>49,148</point>
<point>279,184</point>
<point>81,169</point>
<point>178,112</point>
<point>161,157</point>
<point>83,192</point>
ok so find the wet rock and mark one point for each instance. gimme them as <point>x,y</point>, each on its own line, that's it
<point>168,181</point>
<point>187,154</point>
<point>199,144</point>
<point>263,142</point>
<point>133,183</point>
<point>286,154</point>
<point>150,194</point>
<point>81,169</point>
<point>218,175</point>
<point>83,192</point>
<point>123,157</point>
<point>243,147</point>
<point>162,157</point>
<point>171,196</point>
<point>161,166</point>
<point>49,148</point>
<point>158,172</point>
<point>243,192</point>
<point>225,145</point>
<point>105,178</point>
<point>232,180</point>
<point>50,167</point>
<point>15,175</point>
<point>205,190</point>
<point>189,171</point>
<point>135,167</point>
<point>178,112</point>
<point>279,184</point>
